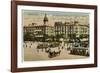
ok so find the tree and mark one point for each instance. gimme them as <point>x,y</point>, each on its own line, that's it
<point>84,36</point>
<point>28,36</point>
<point>73,36</point>
<point>58,36</point>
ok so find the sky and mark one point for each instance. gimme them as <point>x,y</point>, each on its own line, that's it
<point>36,16</point>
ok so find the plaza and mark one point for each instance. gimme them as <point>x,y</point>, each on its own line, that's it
<point>62,40</point>
<point>31,53</point>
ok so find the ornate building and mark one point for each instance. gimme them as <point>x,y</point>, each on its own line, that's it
<point>66,30</point>
<point>72,31</point>
<point>40,32</point>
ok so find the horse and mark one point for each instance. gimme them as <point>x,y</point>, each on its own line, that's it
<point>47,50</point>
<point>53,53</point>
<point>57,52</point>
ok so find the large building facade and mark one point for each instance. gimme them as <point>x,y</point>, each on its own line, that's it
<point>66,30</point>
<point>40,32</point>
<point>69,28</point>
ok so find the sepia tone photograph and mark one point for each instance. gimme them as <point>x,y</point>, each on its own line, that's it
<point>55,35</point>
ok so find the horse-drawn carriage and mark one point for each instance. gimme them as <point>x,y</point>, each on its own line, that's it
<point>53,52</point>
<point>52,49</point>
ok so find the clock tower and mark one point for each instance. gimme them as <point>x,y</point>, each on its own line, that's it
<point>45,20</point>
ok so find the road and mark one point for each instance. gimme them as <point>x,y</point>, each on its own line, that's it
<point>31,54</point>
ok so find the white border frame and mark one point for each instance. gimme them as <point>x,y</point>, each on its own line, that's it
<point>22,64</point>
